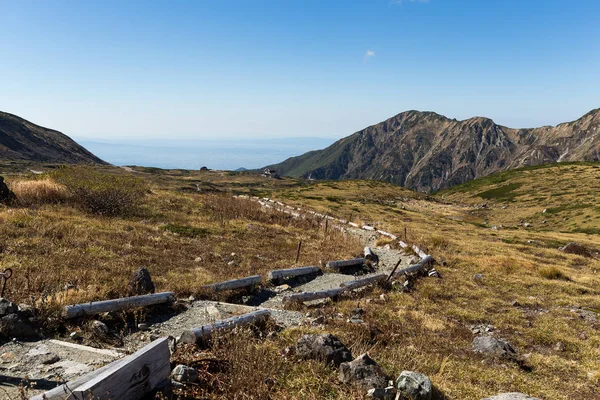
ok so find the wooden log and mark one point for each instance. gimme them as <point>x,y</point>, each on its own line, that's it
<point>308,296</point>
<point>132,378</point>
<point>368,227</point>
<point>368,254</point>
<point>96,307</point>
<point>355,284</point>
<point>235,283</point>
<point>425,262</point>
<point>66,390</point>
<point>292,272</point>
<point>206,331</point>
<point>337,265</point>
<point>353,224</point>
<point>387,234</point>
<point>418,251</point>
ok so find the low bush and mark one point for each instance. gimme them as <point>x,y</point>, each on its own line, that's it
<point>100,192</point>
<point>553,273</point>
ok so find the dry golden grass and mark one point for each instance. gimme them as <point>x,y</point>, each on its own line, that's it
<point>38,192</point>
<point>426,330</point>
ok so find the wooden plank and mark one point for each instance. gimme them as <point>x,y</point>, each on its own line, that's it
<point>402,244</point>
<point>106,352</point>
<point>62,392</point>
<point>368,228</point>
<point>384,233</point>
<point>308,296</point>
<point>355,284</point>
<point>353,224</point>
<point>206,331</point>
<point>235,283</point>
<point>96,307</point>
<point>337,265</point>
<point>418,251</point>
<point>292,272</point>
<point>133,377</point>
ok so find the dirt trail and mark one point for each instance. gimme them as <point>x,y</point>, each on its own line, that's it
<point>45,362</point>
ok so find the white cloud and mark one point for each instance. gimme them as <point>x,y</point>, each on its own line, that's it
<point>368,54</point>
<point>409,1</point>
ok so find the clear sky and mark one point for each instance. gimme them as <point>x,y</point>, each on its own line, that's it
<point>321,68</point>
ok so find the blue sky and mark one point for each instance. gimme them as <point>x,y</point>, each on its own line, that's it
<point>221,69</point>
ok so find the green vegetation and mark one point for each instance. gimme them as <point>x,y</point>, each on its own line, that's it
<point>502,193</point>
<point>187,231</point>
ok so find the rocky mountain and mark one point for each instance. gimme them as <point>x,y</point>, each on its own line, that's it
<point>426,151</point>
<point>23,140</point>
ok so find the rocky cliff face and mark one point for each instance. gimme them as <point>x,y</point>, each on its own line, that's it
<point>22,140</point>
<point>426,151</point>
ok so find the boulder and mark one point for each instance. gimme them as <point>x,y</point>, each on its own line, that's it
<point>140,283</point>
<point>363,372</point>
<point>6,195</point>
<point>14,327</point>
<point>511,396</point>
<point>576,248</point>
<point>98,327</point>
<point>7,307</point>
<point>492,346</point>
<point>184,374</point>
<point>326,347</point>
<point>414,385</point>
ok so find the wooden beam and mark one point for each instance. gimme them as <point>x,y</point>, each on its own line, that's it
<point>133,377</point>
<point>384,233</point>
<point>419,252</point>
<point>337,265</point>
<point>204,332</point>
<point>368,228</point>
<point>308,296</point>
<point>425,262</point>
<point>357,283</point>
<point>96,307</point>
<point>292,272</point>
<point>235,283</point>
<point>106,352</point>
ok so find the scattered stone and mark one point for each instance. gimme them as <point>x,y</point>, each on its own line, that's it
<point>198,259</point>
<point>389,393</point>
<point>515,303</point>
<point>363,372</point>
<point>7,307</point>
<point>527,225</point>
<point>98,327</point>
<point>184,374</point>
<point>576,248</point>
<point>482,328</point>
<point>325,347</point>
<point>75,335</point>
<point>140,283</point>
<point>545,210</point>
<point>559,346</point>
<point>6,195</point>
<point>511,396</point>
<point>213,312</point>
<point>382,297</point>
<point>48,359</point>
<point>492,346</point>
<point>281,288</point>
<point>478,277</point>
<point>143,326</point>
<point>414,385</point>
<point>25,311</point>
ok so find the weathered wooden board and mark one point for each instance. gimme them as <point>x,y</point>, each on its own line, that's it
<point>96,307</point>
<point>355,284</point>
<point>206,331</point>
<point>131,378</point>
<point>235,283</point>
<point>368,228</point>
<point>337,265</point>
<point>418,251</point>
<point>292,272</point>
<point>309,296</point>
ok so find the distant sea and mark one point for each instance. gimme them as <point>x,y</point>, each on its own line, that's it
<point>194,154</point>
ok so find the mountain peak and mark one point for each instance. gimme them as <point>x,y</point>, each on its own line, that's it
<point>421,150</point>
<point>24,140</point>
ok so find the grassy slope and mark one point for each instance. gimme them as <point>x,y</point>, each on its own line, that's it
<point>426,330</point>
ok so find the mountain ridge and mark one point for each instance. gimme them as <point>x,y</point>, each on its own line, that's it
<point>426,151</point>
<point>23,140</point>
